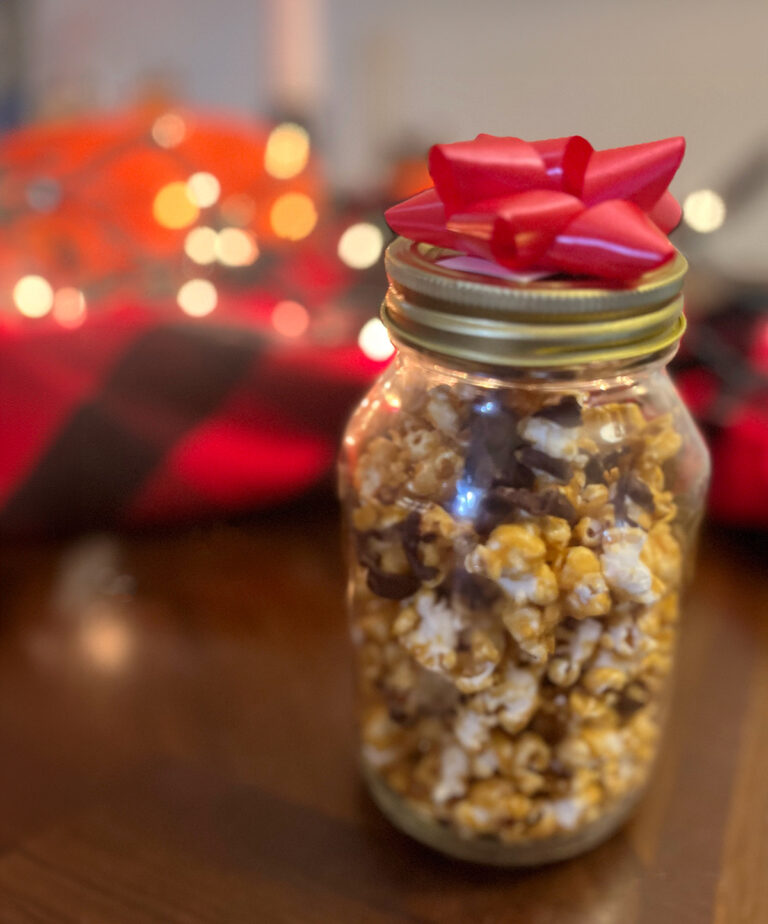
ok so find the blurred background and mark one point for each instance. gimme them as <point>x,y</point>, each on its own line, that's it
<point>191,227</point>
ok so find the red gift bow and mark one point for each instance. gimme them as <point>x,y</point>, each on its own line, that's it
<point>555,205</point>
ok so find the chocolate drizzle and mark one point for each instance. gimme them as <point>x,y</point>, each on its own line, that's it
<point>630,487</point>
<point>501,504</point>
<point>566,413</point>
<point>535,458</point>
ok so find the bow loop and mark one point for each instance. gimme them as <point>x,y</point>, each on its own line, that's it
<point>556,205</point>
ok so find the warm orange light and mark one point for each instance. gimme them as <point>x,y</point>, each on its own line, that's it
<point>235,247</point>
<point>197,297</point>
<point>293,216</point>
<point>33,296</point>
<point>290,319</point>
<point>169,130</point>
<point>287,151</point>
<point>203,189</point>
<point>173,207</point>
<point>374,340</point>
<point>69,307</point>
<point>200,245</point>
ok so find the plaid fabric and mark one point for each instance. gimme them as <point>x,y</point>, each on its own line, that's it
<point>128,421</point>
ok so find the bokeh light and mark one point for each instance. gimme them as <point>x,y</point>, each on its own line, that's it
<point>374,341</point>
<point>33,296</point>
<point>287,151</point>
<point>200,245</point>
<point>197,297</point>
<point>293,216</point>
<point>290,319</point>
<point>69,307</point>
<point>173,207</point>
<point>203,189</point>
<point>169,130</point>
<point>235,247</point>
<point>360,245</point>
<point>704,211</point>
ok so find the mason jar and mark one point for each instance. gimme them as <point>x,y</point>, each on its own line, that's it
<point>522,488</point>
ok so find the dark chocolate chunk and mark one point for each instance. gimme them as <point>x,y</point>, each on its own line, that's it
<point>501,502</point>
<point>473,590</point>
<point>516,475</point>
<point>391,586</point>
<point>493,438</point>
<point>559,769</point>
<point>384,583</point>
<point>630,487</point>
<point>553,503</point>
<point>552,726</point>
<point>594,471</point>
<point>616,458</point>
<point>535,458</point>
<point>632,698</point>
<point>410,531</point>
<point>566,413</point>
<point>639,491</point>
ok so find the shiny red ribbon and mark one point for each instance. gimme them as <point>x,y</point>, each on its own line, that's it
<point>558,206</point>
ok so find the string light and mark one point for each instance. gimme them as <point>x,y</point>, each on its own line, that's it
<point>200,245</point>
<point>293,216</point>
<point>287,151</point>
<point>197,297</point>
<point>360,245</point>
<point>704,211</point>
<point>203,189</point>
<point>173,207</point>
<point>235,247</point>
<point>290,319</point>
<point>69,307</point>
<point>33,296</point>
<point>169,130</point>
<point>374,341</point>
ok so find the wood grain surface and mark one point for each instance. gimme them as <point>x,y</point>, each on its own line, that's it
<point>177,745</point>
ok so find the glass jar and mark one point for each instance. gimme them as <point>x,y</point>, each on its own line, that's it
<point>522,491</point>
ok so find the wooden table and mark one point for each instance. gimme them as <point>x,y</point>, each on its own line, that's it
<point>176,745</point>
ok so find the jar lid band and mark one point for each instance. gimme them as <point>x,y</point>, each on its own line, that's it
<point>549,322</point>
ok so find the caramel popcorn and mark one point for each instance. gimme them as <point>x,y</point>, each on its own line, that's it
<point>514,605</point>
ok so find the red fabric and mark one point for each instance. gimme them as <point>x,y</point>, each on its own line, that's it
<point>555,205</point>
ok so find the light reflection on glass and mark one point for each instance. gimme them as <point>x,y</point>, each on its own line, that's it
<point>467,499</point>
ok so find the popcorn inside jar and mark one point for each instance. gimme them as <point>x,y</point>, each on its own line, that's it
<point>521,521</point>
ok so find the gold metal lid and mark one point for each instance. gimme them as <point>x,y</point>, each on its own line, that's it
<point>549,322</point>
